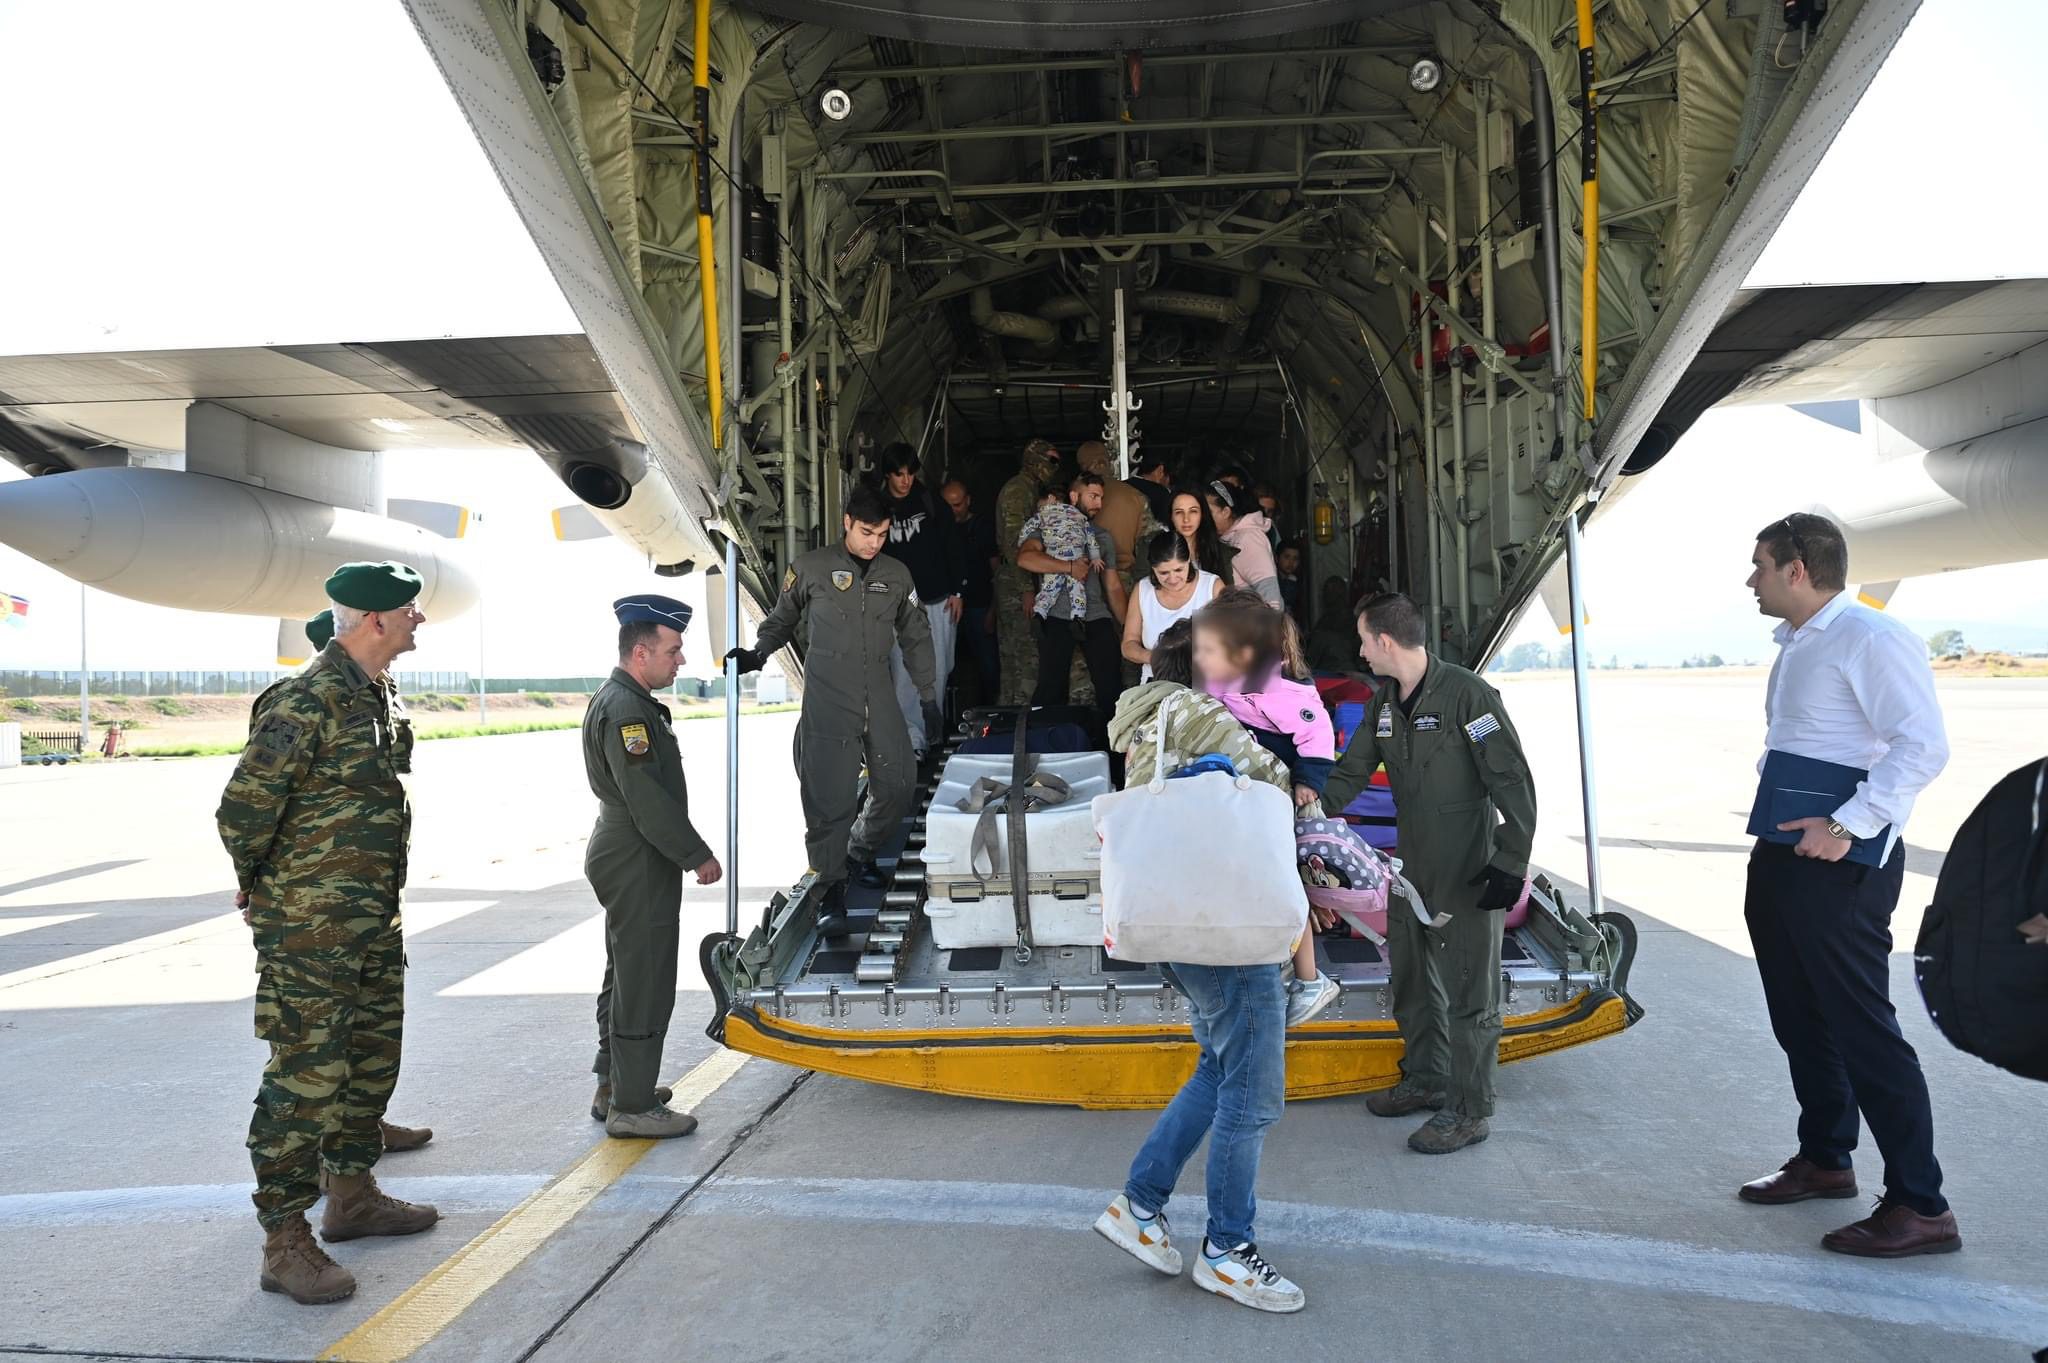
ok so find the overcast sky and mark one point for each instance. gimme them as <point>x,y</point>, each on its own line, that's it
<point>249,172</point>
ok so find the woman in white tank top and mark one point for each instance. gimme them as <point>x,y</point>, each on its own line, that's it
<point>1174,589</point>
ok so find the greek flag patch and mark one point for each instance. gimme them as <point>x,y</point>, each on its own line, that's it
<point>1482,728</point>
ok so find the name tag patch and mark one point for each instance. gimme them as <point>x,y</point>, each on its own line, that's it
<point>1385,728</point>
<point>634,736</point>
<point>1482,728</point>
<point>881,587</point>
<point>1428,724</point>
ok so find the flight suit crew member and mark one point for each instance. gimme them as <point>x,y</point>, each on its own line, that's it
<point>1466,805</point>
<point>1016,589</point>
<point>316,821</point>
<point>642,844</point>
<point>320,629</point>
<point>854,604</point>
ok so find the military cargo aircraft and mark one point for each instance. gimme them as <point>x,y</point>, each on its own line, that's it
<point>1445,275</point>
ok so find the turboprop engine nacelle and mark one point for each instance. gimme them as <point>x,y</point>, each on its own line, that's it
<point>198,542</point>
<point>1978,501</point>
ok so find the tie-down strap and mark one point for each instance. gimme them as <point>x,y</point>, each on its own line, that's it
<point>988,795</point>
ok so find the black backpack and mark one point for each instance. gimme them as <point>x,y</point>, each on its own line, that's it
<point>1985,986</point>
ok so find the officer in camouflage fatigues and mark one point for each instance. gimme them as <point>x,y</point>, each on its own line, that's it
<point>316,822</point>
<point>320,629</point>
<point>1465,802</point>
<point>642,844</point>
<point>1015,641</point>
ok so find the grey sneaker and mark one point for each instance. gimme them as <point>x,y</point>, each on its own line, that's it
<point>601,1101</point>
<point>1309,997</point>
<point>1448,1131</point>
<point>1246,1278</point>
<point>1148,1239</point>
<point>658,1123</point>
<point>1404,1098</point>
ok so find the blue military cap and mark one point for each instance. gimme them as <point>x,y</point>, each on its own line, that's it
<point>662,610</point>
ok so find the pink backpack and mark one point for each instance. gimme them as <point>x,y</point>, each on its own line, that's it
<point>1344,874</point>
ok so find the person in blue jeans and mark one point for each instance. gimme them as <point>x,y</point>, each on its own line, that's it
<point>1237,1091</point>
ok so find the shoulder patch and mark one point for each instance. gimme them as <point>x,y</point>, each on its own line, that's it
<point>1308,716</point>
<point>1482,728</point>
<point>634,736</point>
<point>789,579</point>
<point>273,741</point>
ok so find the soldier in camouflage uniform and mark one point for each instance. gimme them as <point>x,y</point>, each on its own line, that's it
<point>397,1139</point>
<point>316,822</point>
<point>1015,588</point>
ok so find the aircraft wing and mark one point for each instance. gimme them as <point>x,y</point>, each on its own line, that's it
<point>549,394</point>
<point>1811,344</point>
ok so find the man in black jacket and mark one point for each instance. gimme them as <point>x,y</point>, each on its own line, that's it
<point>922,537</point>
<point>1153,476</point>
<point>977,536</point>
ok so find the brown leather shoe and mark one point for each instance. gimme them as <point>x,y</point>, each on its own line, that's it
<point>1797,1180</point>
<point>1893,1231</point>
<point>397,1138</point>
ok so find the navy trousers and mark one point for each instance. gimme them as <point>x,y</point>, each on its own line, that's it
<point>1823,940</point>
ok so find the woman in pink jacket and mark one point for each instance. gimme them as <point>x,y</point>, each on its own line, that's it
<point>1243,526</point>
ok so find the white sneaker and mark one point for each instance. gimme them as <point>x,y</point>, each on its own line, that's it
<point>1147,1239</point>
<point>1241,1275</point>
<point>1310,997</point>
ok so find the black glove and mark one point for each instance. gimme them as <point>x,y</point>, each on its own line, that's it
<point>934,724</point>
<point>1501,889</point>
<point>749,659</point>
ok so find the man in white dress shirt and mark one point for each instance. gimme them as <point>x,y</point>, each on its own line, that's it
<point>1851,687</point>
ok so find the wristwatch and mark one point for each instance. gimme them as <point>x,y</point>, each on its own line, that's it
<point>1835,830</point>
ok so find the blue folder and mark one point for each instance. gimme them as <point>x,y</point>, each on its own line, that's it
<point>1793,787</point>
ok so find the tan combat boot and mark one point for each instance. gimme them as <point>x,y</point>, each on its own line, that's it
<point>356,1207</point>
<point>397,1138</point>
<point>295,1265</point>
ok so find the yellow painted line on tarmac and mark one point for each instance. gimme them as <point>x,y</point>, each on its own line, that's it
<point>432,1304</point>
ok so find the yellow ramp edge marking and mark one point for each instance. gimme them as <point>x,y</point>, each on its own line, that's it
<point>432,1304</point>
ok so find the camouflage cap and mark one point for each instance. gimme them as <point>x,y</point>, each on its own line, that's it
<point>374,586</point>
<point>1040,455</point>
<point>320,629</point>
<point>1093,456</point>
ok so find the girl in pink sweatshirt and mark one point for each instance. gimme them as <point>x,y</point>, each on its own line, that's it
<point>1244,652</point>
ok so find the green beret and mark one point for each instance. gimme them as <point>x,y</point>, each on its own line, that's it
<point>320,629</point>
<point>373,586</point>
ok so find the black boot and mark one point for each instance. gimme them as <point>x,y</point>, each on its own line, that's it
<point>832,910</point>
<point>865,873</point>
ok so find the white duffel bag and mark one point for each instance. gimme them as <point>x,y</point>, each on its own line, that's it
<point>1199,869</point>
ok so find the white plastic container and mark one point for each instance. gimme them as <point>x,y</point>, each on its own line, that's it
<point>1064,854</point>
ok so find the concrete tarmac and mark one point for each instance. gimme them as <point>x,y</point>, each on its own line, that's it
<point>812,1216</point>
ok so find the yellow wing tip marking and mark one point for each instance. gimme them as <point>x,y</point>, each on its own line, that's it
<point>283,661</point>
<point>556,517</point>
<point>1867,599</point>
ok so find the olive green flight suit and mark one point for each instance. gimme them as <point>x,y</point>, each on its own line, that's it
<point>852,614</point>
<point>1464,799</point>
<point>317,823</point>
<point>639,849</point>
